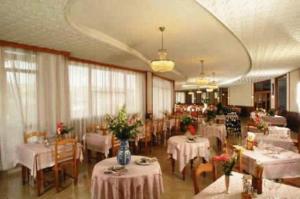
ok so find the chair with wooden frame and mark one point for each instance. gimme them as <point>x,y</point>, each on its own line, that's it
<point>115,145</point>
<point>28,135</point>
<point>148,130</point>
<point>203,168</point>
<point>65,156</point>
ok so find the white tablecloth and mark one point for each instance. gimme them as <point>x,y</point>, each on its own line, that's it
<point>140,182</point>
<point>277,162</point>
<point>37,156</point>
<point>275,120</point>
<point>283,141</point>
<point>217,188</point>
<point>183,152</point>
<point>97,142</point>
<point>214,130</point>
<point>279,130</point>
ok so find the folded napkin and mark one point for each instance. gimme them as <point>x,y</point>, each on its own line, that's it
<point>116,170</point>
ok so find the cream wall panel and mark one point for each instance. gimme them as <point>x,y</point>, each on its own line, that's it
<point>294,84</point>
<point>241,95</point>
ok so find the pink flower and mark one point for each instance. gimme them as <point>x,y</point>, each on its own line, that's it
<point>191,129</point>
<point>222,157</point>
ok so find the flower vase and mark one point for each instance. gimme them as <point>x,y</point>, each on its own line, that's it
<point>227,181</point>
<point>124,155</point>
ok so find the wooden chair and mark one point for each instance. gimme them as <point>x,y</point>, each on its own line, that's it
<point>148,129</point>
<point>115,145</point>
<point>65,156</point>
<point>28,135</point>
<point>257,179</point>
<point>203,168</point>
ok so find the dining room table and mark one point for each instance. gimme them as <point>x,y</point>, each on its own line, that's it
<point>213,130</point>
<point>98,142</point>
<point>276,139</point>
<point>184,150</point>
<point>38,156</point>
<point>216,190</point>
<point>275,120</point>
<point>133,181</point>
<point>277,162</point>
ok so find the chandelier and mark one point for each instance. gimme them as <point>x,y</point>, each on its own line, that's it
<point>202,80</point>
<point>212,85</point>
<point>162,64</point>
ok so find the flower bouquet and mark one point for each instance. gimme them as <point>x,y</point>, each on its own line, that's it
<point>124,128</point>
<point>261,124</point>
<point>228,165</point>
<point>185,122</point>
<point>61,129</point>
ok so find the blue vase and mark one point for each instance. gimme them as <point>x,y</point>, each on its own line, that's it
<point>124,155</point>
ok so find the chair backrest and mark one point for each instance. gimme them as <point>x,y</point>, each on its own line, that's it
<point>65,150</point>
<point>115,144</point>
<point>37,134</point>
<point>203,168</point>
<point>148,130</point>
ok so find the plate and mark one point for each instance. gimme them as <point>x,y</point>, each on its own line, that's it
<point>145,161</point>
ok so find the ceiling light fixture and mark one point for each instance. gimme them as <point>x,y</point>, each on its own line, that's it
<point>162,64</point>
<point>199,91</point>
<point>202,80</point>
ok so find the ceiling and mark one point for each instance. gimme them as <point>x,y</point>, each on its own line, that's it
<point>240,41</point>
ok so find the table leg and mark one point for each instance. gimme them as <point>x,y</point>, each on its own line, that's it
<point>183,173</point>
<point>173,165</point>
<point>24,174</point>
<point>39,181</point>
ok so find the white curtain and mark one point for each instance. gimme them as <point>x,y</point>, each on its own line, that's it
<point>97,90</point>
<point>33,97</point>
<point>162,96</point>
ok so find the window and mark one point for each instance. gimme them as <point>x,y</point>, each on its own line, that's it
<point>281,93</point>
<point>96,90</point>
<point>162,96</point>
<point>180,97</point>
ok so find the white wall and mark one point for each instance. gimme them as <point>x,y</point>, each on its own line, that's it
<point>294,91</point>
<point>241,95</point>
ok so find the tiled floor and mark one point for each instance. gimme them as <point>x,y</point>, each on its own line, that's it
<point>11,186</point>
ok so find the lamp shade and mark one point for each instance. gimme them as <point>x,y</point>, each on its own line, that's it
<point>162,65</point>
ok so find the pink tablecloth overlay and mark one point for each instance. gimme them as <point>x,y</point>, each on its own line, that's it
<point>277,162</point>
<point>214,130</point>
<point>97,142</point>
<point>216,190</point>
<point>183,152</point>
<point>275,120</point>
<point>140,182</point>
<point>38,156</point>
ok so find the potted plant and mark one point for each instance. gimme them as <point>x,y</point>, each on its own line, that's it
<point>185,122</point>
<point>124,128</point>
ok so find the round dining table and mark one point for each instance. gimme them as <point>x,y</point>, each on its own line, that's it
<point>184,151</point>
<point>138,182</point>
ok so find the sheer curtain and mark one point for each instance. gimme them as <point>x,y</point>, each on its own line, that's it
<point>32,97</point>
<point>97,90</point>
<point>162,96</point>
